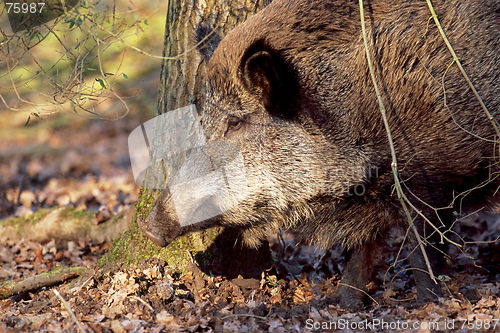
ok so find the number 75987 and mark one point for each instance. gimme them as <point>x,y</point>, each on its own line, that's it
<point>25,8</point>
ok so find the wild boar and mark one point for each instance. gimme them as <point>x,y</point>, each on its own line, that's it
<point>292,90</point>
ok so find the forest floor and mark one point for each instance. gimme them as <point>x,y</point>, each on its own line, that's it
<point>69,161</point>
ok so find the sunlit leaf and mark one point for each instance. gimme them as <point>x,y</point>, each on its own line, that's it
<point>101,82</point>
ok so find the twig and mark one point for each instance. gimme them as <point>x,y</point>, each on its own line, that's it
<point>394,163</point>
<point>71,313</point>
<point>493,121</point>
<point>245,315</point>
<point>56,276</point>
<point>360,290</point>
<point>143,302</point>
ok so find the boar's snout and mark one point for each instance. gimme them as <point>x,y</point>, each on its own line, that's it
<point>160,226</point>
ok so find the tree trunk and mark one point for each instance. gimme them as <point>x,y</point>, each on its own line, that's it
<point>182,71</point>
<point>180,85</point>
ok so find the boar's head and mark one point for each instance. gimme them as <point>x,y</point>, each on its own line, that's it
<point>294,162</point>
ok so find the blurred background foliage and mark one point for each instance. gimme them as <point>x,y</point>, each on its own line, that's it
<point>98,60</point>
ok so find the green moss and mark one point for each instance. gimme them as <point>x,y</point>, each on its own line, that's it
<point>63,222</point>
<point>130,248</point>
<point>81,220</point>
<point>75,214</point>
<point>36,216</point>
<point>133,245</point>
<point>146,201</point>
<point>66,213</point>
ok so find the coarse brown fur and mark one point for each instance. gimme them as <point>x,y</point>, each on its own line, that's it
<point>291,88</point>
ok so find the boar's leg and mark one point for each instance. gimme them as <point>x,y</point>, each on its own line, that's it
<point>427,289</point>
<point>358,273</point>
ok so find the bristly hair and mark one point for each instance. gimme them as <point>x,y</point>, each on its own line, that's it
<point>207,39</point>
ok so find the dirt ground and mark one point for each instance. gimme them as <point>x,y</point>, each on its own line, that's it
<point>84,163</point>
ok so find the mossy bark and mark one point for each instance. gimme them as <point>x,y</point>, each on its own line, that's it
<point>64,224</point>
<point>57,275</point>
<point>133,245</point>
<point>180,85</point>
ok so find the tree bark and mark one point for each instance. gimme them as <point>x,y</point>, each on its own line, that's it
<point>180,85</point>
<point>183,68</point>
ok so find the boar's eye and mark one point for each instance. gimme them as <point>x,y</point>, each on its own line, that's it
<point>234,124</point>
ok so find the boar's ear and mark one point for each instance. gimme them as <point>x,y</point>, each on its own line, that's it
<point>207,40</point>
<point>266,74</point>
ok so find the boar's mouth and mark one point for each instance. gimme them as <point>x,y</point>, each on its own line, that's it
<point>159,227</point>
<point>162,225</point>
<point>209,183</point>
<point>157,239</point>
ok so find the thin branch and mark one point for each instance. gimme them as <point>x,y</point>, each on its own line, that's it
<point>394,163</point>
<point>493,121</point>
<point>360,290</point>
<point>56,276</point>
<point>71,313</point>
